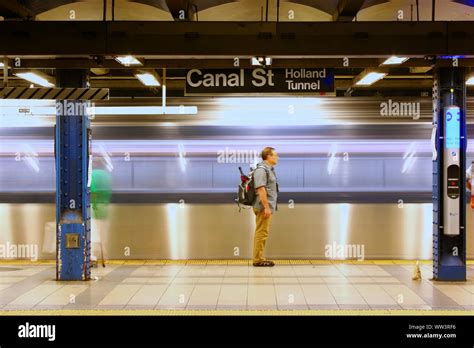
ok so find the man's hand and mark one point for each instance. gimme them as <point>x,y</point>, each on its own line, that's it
<point>267,213</point>
<point>262,193</point>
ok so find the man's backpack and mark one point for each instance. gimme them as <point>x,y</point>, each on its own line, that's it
<point>247,194</point>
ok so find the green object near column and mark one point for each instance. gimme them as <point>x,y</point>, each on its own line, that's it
<point>101,191</point>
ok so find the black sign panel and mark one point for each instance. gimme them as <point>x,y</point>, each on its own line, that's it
<point>302,81</point>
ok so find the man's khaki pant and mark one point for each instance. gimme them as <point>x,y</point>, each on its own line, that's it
<point>261,235</point>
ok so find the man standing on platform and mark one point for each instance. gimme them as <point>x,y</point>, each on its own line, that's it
<point>265,205</point>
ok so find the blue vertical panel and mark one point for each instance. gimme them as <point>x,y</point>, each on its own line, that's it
<point>72,263</point>
<point>72,196</point>
<point>449,91</point>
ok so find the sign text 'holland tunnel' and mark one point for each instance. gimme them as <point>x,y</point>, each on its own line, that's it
<point>260,81</point>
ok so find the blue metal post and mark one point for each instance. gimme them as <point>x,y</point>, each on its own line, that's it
<point>72,150</point>
<point>449,177</point>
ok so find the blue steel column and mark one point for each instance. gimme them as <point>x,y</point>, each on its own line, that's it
<point>72,147</point>
<point>449,249</point>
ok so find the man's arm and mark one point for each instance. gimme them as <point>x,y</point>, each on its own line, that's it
<point>260,181</point>
<point>262,193</point>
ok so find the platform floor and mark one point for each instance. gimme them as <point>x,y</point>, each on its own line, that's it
<point>371,286</point>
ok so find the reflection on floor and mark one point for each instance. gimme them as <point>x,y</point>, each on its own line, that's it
<point>227,286</point>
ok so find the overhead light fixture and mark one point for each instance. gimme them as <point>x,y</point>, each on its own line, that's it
<point>470,81</point>
<point>36,77</point>
<point>128,61</point>
<point>394,60</point>
<point>1,65</point>
<point>148,79</point>
<point>370,78</point>
<point>261,61</point>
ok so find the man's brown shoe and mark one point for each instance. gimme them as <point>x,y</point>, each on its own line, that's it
<point>265,263</point>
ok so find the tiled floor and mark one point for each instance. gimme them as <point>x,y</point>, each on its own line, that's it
<point>229,286</point>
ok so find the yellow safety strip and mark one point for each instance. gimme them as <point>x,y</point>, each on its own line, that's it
<point>234,262</point>
<point>186,312</point>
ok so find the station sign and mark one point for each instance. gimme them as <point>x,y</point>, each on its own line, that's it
<point>260,81</point>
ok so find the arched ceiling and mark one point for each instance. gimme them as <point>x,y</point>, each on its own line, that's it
<point>237,10</point>
<point>93,10</point>
<point>254,10</point>
<point>445,11</point>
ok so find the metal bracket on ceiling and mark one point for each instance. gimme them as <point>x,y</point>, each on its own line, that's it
<point>163,91</point>
<point>5,72</point>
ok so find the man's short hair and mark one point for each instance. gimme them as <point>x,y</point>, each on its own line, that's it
<point>267,152</point>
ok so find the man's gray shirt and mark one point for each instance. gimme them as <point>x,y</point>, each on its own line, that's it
<point>266,177</point>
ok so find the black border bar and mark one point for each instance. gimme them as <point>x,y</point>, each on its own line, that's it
<point>242,330</point>
<point>236,38</point>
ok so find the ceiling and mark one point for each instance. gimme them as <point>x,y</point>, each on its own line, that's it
<point>236,10</point>
<point>413,78</point>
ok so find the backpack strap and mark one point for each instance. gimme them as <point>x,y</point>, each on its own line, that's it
<point>265,169</point>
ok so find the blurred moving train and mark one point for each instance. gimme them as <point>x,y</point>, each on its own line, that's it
<point>348,176</point>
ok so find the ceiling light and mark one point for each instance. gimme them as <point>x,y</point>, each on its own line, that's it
<point>261,61</point>
<point>470,81</point>
<point>148,79</point>
<point>394,60</point>
<point>370,78</point>
<point>36,78</point>
<point>128,60</point>
<point>1,65</point>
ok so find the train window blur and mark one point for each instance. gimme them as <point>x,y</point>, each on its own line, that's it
<point>340,148</point>
<point>208,166</point>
